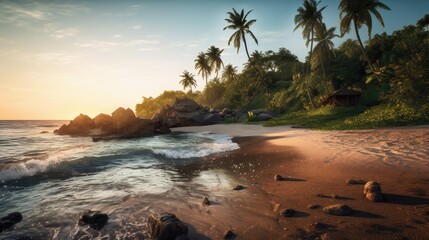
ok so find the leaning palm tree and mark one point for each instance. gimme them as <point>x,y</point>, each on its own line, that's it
<point>239,23</point>
<point>229,72</point>
<point>324,47</point>
<point>309,18</point>
<point>214,58</point>
<point>202,66</point>
<point>188,80</point>
<point>359,11</point>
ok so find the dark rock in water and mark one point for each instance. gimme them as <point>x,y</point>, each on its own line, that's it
<point>122,119</point>
<point>238,187</point>
<point>214,118</point>
<point>140,128</point>
<point>166,226</point>
<point>186,105</point>
<point>352,181</point>
<point>277,177</point>
<point>81,125</point>
<point>229,235</point>
<point>104,122</point>
<point>289,212</point>
<point>372,191</point>
<point>42,132</point>
<point>206,201</point>
<point>10,220</point>
<point>95,219</point>
<point>338,210</point>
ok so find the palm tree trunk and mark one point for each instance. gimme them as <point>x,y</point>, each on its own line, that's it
<point>307,71</point>
<point>324,74</point>
<point>363,51</point>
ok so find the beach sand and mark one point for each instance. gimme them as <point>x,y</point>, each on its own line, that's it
<point>316,166</point>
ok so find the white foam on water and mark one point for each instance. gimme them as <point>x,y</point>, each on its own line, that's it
<point>219,143</point>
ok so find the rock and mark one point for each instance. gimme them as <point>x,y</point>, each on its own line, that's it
<point>352,181</point>
<point>171,122</point>
<point>277,177</point>
<point>338,210</point>
<point>10,220</point>
<point>104,121</point>
<point>313,206</point>
<point>81,125</point>
<point>186,105</point>
<point>238,187</point>
<point>206,201</point>
<point>214,118</point>
<point>372,191</point>
<point>190,118</point>
<point>256,112</point>
<point>141,128</point>
<point>264,117</point>
<point>289,212</point>
<point>166,226</point>
<point>95,219</point>
<point>226,111</point>
<point>229,234</point>
<point>276,207</point>
<point>164,129</point>
<point>122,119</point>
<point>214,111</point>
<point>42,132</point>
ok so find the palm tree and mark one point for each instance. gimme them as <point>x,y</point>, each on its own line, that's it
<point>309,18</point>
<point>188,80</point>
<point>203,66</point>
<point>239,23</point>
<point>229,72</point>
<point>359,11</point>
<point>324,47</point>
<point>215,61</point>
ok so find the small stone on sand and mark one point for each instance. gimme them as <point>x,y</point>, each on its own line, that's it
<point>338,210</point>
<point>229,235</point>
<point>238,187</point>
<point>289,212</point>
<point>206,201</point>
<point>277,177</point>
<point>372,191</point>
<point>314,206</point>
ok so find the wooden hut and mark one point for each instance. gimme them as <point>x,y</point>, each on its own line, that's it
<point>344,97</point>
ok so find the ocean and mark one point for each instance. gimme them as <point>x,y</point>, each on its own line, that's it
<point>51,179</point>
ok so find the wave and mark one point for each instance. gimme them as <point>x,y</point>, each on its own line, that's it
<point>31,166</point>
<point>219,143</point>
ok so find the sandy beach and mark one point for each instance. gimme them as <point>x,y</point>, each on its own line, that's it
<point>315,166</point>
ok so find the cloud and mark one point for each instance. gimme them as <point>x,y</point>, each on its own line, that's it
<point>109,45</point>
<point>147,49</point>
<point>136,27</point>
<point>117,36</point>
<point>62,57</point>
<point>63,33</point>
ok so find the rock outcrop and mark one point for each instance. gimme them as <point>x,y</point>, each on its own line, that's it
<point>121,124</point>
<point>166,226</point>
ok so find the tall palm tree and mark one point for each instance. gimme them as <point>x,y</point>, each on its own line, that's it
<point>203,66</point>
<point>239,23</point>
<point>324,47</point>
<point>359,12</point>
<point>229,72</point>
<point>188,80</point>
<point>309,18</point>
<point>214,58</point>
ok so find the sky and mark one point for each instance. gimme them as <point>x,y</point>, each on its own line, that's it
<point>62,58</point>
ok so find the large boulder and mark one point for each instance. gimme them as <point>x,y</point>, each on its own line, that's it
<point>166,226</point>
<point>186,105</point>
<point>104,122</point>
<point>81,125</point>
<point>141,128</point>
<point>194,118</point>
<point>122,119</point>
<point>264,117</point>
<point>214,118</point>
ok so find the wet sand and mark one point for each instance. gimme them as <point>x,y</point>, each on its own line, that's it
<point>315,165</point>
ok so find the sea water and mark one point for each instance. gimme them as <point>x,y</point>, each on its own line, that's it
<point>50,178</point>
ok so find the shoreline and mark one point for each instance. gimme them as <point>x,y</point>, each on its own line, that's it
<point>316,171</point>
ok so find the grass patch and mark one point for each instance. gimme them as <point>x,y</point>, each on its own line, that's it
<point>330,118</point>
